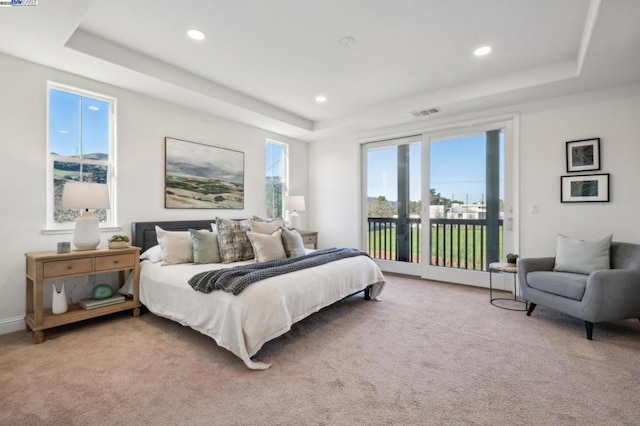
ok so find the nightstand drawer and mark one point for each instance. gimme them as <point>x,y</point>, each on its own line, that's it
<point>105,263</point>
<point>309,239</point>
<point>67,267</point>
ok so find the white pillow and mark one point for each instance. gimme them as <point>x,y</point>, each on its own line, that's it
<point>154,254</point>
<point>267,247</point>
<point>582,256</point>
<point>176,246</point>
<point>262,227</point>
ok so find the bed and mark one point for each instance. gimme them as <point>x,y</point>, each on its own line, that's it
<point>243,323</point>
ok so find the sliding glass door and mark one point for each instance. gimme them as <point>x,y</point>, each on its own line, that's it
<point>440,204</point>
<point>469,217</point>
<point>393,185</point>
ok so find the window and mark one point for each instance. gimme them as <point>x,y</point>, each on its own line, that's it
<point>276,177</point>
<point>80,148</point>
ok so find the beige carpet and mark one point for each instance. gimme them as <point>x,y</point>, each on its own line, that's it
<point>430,353</point>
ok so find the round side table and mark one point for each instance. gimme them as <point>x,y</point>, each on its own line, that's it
<point>504,302</point>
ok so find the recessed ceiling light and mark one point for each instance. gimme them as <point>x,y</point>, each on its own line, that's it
<point>481,51</point>
<point>94,108</point>
<point>196,34</point>
<point>347,41</point>
<point>321,98</point>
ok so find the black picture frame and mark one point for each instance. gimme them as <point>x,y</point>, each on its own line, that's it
<point>593,188</point>
<point>583,155</point>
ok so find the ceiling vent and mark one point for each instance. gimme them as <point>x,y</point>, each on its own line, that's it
<point>424,112</point>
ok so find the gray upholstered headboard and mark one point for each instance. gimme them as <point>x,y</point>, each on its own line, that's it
<point>143,234</point>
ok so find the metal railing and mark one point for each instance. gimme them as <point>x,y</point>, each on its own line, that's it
<point>455,243</point>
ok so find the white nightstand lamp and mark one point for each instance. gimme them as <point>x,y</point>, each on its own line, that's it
<point>84,195</point>
<point>294,204</point>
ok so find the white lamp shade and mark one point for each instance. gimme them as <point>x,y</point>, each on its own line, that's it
<point>294,203</point>
<point>85,195</point>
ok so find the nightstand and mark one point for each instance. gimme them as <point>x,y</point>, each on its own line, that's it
<point>48,265</point>
<point>309,238</point>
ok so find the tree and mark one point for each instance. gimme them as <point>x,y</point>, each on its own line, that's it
<point>274,197</point>
<point>415,207</point>
<point>380,207</point>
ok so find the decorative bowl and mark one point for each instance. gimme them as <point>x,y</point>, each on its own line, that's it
<point>118,244</point>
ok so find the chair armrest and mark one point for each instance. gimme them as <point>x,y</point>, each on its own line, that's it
<point>531,264</point>
<point>612,294</point>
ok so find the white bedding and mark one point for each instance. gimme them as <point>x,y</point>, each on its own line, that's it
<point>263,311</point>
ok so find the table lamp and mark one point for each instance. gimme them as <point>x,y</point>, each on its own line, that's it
<point>84,195</point>
<point>294,203</point>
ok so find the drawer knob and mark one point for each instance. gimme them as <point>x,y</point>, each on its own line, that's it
<point>69,267</point>
<point>116,262</point>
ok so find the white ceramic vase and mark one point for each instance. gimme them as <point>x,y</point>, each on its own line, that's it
<point>59,300</point>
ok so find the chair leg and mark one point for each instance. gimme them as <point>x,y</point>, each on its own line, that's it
<point>532,306</point>
<point>589,326</point>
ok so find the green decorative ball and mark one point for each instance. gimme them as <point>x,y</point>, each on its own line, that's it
<point>102,291</point>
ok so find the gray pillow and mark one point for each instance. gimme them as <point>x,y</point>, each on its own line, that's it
<point>292,241</point>
<point>205,246</point>
<point>582,256</point>
<point>233,241</point>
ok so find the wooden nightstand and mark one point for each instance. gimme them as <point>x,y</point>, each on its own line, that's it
<point>309,238</point>
<point>49,265</point>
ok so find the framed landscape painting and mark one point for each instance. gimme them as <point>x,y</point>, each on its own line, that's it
<point>583,155</point>
<point>199,176</point>
<point>584,188</point>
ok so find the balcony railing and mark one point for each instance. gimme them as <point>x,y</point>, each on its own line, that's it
<point>455,243</point>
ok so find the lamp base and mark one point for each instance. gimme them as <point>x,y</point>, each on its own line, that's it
<point>294,220</point>
<point>86,235</point>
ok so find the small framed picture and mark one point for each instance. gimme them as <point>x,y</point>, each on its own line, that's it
<point>583,155</point>
<point>584,188</point>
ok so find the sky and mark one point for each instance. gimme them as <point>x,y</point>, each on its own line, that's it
<point>67,112</point>
<point>457,170</point>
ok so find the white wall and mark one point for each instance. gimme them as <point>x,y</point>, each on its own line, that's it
<point>143,123</point>
<point>613,117</point>
<point>545,126</point>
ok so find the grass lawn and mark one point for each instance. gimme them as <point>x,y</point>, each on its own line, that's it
<point>464,248</point>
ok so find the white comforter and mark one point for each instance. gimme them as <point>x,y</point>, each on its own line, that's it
<point>263,311</point>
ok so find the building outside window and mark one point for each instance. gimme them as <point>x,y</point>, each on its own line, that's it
<point>276,168</point>
<point>81,147</point>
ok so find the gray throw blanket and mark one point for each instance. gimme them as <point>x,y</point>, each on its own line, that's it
<point>236,279</point>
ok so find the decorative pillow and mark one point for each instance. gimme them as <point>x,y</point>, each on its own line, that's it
<point>292,241</point>
<point>267,247</point>
<point>233,241</point>
<point>262,227</point>
<point>154,254</point>
<point>205,246</point>
<point>582,256</point>
<point>176,246</point>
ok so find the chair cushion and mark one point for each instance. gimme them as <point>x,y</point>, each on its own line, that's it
<point>582,256</point>
<point>563,284</point>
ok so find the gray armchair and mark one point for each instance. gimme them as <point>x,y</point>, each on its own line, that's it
<point>604,295</point>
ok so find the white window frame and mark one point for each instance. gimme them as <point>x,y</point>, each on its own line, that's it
<point>286,170</point>
<point>52,227</point>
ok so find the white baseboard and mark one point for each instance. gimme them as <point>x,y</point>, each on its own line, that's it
<point>9,325</point>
